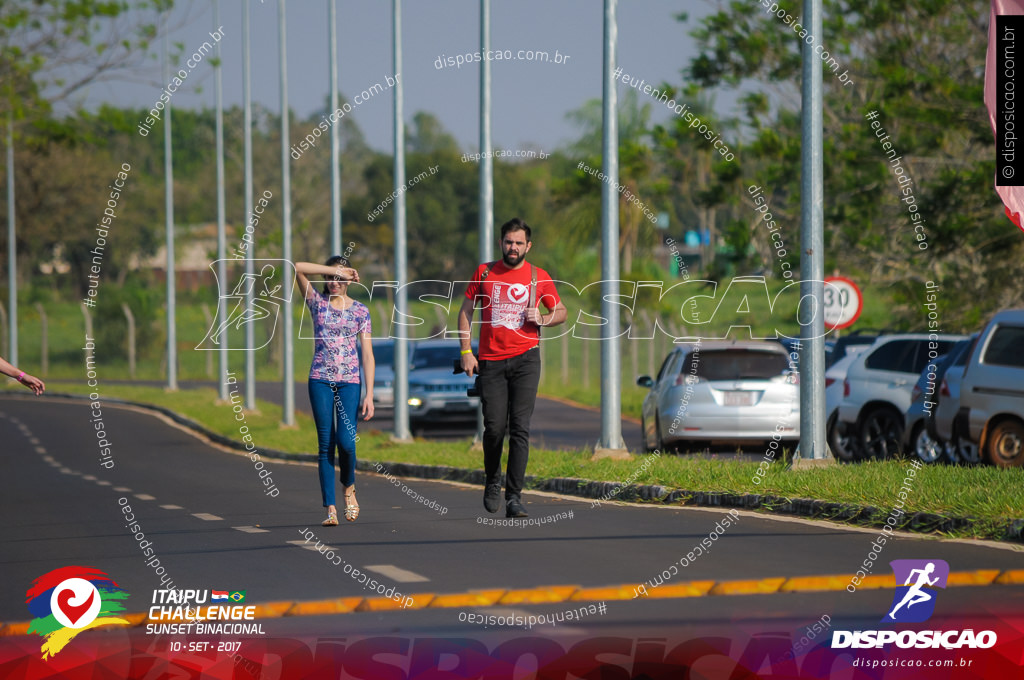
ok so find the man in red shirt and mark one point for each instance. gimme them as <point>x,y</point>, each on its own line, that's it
<point>507,292</point>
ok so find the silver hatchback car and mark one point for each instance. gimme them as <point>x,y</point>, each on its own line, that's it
<point>722,392</point>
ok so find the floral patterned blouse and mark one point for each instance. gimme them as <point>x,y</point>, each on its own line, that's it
<point>335,355</point>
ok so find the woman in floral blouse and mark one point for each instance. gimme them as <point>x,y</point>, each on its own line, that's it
<point>334,377</point>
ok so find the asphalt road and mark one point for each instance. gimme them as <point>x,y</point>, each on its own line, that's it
<point>212,526</point>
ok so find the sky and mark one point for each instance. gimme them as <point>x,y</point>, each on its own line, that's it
<point>530,99</point>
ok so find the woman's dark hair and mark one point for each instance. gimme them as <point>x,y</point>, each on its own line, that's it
<point>332,261</point>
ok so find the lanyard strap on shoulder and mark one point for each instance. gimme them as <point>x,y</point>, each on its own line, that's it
<point>490,266</point>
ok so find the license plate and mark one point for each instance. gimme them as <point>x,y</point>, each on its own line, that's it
<point>739,398</point>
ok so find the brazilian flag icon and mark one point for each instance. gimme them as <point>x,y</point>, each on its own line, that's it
<point>237,596</point>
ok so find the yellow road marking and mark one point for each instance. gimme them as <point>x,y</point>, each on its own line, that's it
<point>567,593</point>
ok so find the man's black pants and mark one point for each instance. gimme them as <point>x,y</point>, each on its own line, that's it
<point>508,392</point>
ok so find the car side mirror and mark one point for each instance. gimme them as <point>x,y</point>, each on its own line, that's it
<point>645,381</point>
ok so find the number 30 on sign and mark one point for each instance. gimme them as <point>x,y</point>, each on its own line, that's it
<point>843,302</point>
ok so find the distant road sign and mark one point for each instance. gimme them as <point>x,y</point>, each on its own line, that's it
<point>843,302</point>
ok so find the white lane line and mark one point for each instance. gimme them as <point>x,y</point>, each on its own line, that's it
<point>207,516</point>
<point>89,478</point>
<point>310,546</point>
<point>145,497</point>
<point>122,489</point>
<point>40,449</point>
<point>172,507</point>
<point>66,471</point>
<point>251,530</point>
<point>102,482</point>
<point>33,440</point>
<point>396,573</point>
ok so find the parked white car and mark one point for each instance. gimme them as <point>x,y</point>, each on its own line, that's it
<point>877,389</point>
<point>839,440</point>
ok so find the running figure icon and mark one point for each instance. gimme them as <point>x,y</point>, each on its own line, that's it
<point>270,291</point>
<point>916,594</point>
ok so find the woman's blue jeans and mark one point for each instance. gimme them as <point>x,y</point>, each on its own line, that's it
<point>335,410</point>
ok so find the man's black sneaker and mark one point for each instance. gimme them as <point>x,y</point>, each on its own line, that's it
<point>492,497</point>
<point>514,508</point>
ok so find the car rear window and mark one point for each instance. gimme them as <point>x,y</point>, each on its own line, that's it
<point>435,357</point>
<point>897,355</point>
<point>1004,349</point>
<point>734,364</point>
<point>384,354</point>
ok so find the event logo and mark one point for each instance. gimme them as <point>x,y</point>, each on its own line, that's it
<point>68,600</point>
<point>914,602</point>
<point>518,293</point>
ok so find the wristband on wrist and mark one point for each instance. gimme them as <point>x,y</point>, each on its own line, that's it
<point>20,376</point>
<point>466,351</point>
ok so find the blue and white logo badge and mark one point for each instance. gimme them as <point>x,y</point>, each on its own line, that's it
<point>914,601</point>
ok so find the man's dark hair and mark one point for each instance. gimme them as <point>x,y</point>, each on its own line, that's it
<point>332,261</point>
<point>515,224</point>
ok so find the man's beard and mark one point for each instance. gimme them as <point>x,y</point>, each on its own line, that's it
<point>512,260</point>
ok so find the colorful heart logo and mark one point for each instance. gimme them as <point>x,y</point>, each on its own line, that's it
<point>75,603</point>
<point>73,612</point>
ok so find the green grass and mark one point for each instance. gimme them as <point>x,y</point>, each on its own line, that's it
<point>986,493</point>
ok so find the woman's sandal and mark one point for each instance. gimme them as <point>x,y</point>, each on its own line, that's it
<point>351,508</point>
<point>332,519</point>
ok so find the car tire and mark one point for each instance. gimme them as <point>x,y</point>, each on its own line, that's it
<point>880,432</point>
<point>843,446</point>
<point>1004,445</point>
<point>965,451</point>
<point>924,447</point>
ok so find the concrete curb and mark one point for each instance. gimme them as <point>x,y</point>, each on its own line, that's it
<point>859,515</point>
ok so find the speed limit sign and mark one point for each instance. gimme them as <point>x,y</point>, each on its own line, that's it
<point>843,302</point>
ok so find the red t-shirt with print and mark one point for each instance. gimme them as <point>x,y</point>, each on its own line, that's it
<point>503,298</point>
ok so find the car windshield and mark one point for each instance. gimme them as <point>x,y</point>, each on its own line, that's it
<point>435,357</point>
<point>735,364</point>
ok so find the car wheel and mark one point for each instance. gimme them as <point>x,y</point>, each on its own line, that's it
<point>842,445</point>
<point>1004,445</point>
<point>965,452</point>
<point>922,445</point>
<point>880,433</point>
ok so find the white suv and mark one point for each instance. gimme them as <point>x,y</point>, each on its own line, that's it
<point>877,390</point>
<point>991,413</point>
